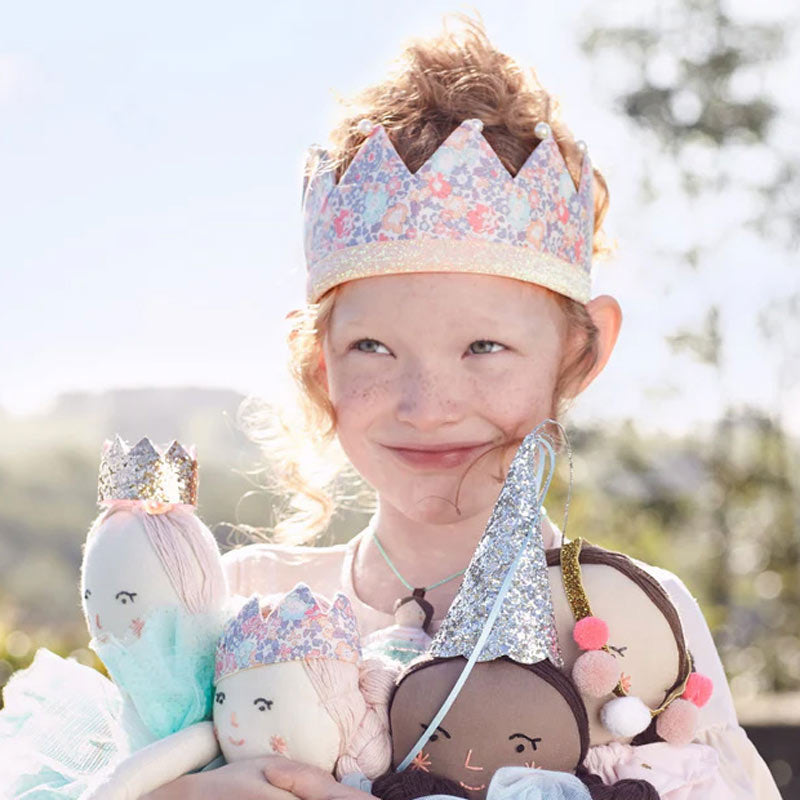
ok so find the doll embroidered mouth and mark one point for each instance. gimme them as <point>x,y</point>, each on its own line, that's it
<point>237,742</point>
<point>471,788</point>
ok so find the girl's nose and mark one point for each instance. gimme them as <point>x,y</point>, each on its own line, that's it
<point>233,720</point>
<point>427,401</point>
<point>467,764</point>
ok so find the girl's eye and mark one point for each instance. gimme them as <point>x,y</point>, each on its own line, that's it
<point>483,346</point>
<point>369,346</point>
<point>219,697</point>
<point>125,597</point>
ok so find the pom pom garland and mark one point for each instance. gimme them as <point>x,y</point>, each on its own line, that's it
<point>677,723</point>
<point>595,673</point>
<point>590,633</point>
<point>624,717</point>
<point>698,689</point>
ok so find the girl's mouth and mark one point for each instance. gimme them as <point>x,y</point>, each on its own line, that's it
<point>436,458</point>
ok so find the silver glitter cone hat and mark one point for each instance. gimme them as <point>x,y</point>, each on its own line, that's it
<point>524,626</point>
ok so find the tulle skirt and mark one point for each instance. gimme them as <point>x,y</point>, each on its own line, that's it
<point>65,726</point>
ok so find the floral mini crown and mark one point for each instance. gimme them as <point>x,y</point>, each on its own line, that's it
<point>461,211</point>
<point>144,473</point>
<point>299,626</point>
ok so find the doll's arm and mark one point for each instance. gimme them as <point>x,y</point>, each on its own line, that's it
<point>159,763</point>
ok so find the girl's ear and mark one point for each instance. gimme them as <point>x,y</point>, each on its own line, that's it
<point>607,317</point>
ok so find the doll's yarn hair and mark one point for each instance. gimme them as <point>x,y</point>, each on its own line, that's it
<point>438,83</point>
<point>657,595</point>
<point>410,784</point>
<point>186,549</point>
<point>357,696</point>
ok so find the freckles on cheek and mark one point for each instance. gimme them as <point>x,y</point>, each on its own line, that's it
<point>360,395</point>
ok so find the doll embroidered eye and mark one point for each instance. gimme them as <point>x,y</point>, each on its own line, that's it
<point>435,736</point>
<point>125,597</point>
<point>485,346</point>
<point>87,594</point>
<point>521,746</point>
<point>620,651</point>
<point>262,704</point>
<point>219,697</point>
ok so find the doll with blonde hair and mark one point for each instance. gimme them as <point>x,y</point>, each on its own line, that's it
<point>450,228</point>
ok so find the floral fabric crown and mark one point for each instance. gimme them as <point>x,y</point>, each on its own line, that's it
<point>298,627</point>
<point>460,212</point>
<point>142,473</point>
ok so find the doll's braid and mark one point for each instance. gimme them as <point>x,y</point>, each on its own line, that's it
<point>369,749</point>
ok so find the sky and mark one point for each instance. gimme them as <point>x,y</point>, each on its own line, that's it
<point>150,234</point>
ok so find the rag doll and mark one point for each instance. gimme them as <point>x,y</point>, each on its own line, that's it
<point>622,642</point>
<point>289,680</point>
<point>408,637</point>
<point>489,694</point>
<point>153,589</point>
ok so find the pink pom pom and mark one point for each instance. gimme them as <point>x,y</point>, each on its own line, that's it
<point>595,673</point>
<point>698,689</point>
<point>590,633</point>
<point>677,723</point>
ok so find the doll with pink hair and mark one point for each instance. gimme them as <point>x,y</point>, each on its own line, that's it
<point>290,681</point>
<point>153,594</point>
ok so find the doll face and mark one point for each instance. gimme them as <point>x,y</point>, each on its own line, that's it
<point>505,715</point>
<point>411,615</point>
<point>639,637</point>
<point>416,361</point>
<point>274,710</point>
<point>122,579</point>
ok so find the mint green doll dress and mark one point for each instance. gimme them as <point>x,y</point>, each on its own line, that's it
<point>64,726</point>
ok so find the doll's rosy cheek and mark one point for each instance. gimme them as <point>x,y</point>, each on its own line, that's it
<point>278,745</point>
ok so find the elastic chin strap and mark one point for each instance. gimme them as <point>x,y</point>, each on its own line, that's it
<point>544,449</point>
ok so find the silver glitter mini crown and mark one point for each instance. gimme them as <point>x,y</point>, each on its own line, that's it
<point>525,628</point>
<point>143,472</point>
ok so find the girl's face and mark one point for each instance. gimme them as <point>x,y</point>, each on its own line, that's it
<point>429,371</point>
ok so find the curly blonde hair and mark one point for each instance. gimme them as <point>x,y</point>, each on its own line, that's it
<point>438,83</point>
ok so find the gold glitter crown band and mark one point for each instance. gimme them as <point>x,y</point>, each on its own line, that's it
<point>144,473</point>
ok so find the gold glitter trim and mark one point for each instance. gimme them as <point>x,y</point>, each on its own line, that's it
<point>143,473</point>
<point>427,254</point>
<point>573,582</point>
<point>676,692</point>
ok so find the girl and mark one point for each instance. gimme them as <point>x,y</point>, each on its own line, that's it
<point>449,232</point>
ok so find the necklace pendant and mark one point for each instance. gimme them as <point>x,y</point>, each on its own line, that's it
<point>413,611</point>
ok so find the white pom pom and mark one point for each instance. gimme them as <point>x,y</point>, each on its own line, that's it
<point>542,130</point>
<point>624,717</point>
